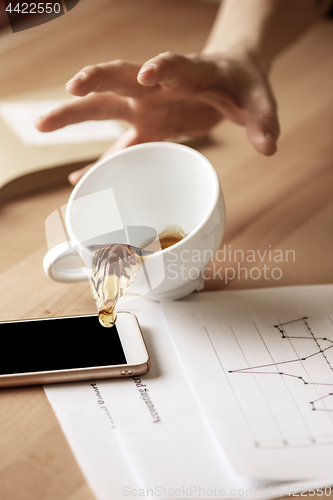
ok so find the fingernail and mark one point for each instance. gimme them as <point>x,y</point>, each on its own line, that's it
<point>271,138</point>
<point>77,77</point>
<point>39,119</point>
<point>146,68</point>
<point>74,177</point>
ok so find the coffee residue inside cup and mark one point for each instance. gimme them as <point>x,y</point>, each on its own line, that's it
<point>114,268</point>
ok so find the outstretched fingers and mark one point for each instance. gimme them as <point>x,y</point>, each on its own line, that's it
<point>115,76</point>
<point>92,107</point>
<point>240,96</point>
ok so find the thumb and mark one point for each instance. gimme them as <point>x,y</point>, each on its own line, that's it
<point>262,125</point>
<point>263,135</point>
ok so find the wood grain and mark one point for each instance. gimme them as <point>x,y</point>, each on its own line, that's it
<point>280,203</point>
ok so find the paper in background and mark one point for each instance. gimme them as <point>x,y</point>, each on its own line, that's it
<point>30,159</point>
<point>20,117</point>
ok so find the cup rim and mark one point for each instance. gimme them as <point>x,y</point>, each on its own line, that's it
<point>149,145</point>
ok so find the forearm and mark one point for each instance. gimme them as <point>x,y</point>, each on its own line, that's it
<point>262,28</point>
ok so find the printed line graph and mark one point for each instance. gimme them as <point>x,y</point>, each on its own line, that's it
<point>320,352</point>
<point>281,376</point>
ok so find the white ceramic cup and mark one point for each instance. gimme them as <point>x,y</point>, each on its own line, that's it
<point>149,186</point>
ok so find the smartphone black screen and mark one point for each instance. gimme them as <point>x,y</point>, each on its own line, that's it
<point>58,344</point>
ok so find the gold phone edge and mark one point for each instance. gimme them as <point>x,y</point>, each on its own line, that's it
<point>78,374</point>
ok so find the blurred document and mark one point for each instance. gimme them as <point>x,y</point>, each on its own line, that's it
<point>20,117</point>
<point>261,364</point>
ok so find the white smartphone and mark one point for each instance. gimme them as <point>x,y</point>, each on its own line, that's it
<point>44,351</point>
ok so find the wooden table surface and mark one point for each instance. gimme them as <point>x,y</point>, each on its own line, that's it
<point>282,205</point>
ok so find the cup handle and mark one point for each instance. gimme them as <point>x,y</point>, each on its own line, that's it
<point>63,263</point>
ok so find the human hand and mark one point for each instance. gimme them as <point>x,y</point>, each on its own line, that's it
<point>169,96</point>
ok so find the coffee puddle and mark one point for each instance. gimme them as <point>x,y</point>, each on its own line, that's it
<point>115,267</point>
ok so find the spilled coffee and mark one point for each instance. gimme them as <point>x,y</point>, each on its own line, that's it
<point>114,268</point>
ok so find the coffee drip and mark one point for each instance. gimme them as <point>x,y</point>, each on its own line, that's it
<point>114,268</point>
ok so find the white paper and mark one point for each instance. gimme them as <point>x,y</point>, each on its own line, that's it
<point>20,117</point>
<point>122,447</point>
<point>261,365</point>
<point>126,450</point>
